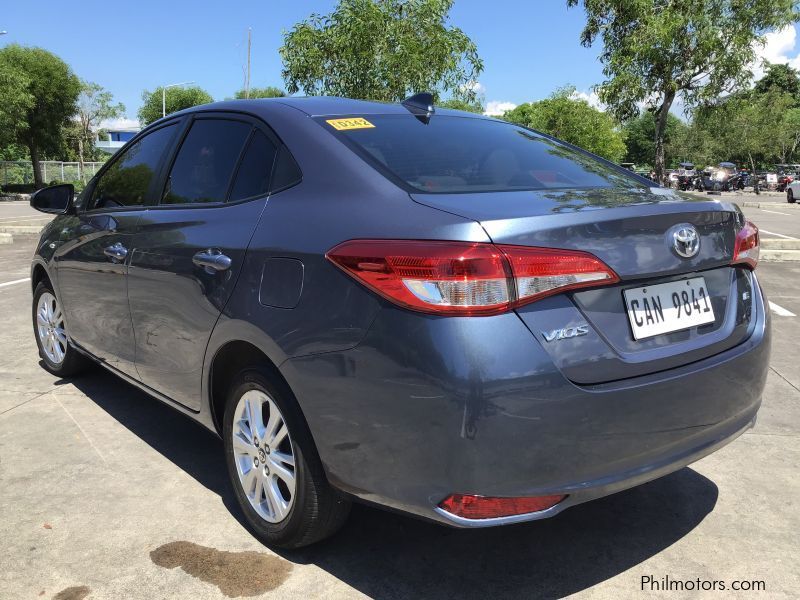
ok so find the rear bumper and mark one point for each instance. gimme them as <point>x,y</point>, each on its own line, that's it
<point>425,407</point>
<point>585,491</point>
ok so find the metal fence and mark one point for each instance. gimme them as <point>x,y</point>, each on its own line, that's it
<point>21,171</point>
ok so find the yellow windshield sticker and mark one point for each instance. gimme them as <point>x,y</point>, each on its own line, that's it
<point>344,124</point>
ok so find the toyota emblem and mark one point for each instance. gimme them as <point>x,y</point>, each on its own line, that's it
<point>685,240</point>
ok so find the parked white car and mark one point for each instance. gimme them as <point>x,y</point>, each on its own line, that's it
<point>793,191</point>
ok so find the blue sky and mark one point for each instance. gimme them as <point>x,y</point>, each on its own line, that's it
<point>529,48</point>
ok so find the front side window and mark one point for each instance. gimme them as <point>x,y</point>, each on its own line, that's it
<point>127,181</point>
<point>205,163</point>
<point>462,155</point>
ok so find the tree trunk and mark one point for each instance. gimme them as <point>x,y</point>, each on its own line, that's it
<point>81,168</point>
<point>753,171</point>
<point>661,125</point>
<point>37,167</point>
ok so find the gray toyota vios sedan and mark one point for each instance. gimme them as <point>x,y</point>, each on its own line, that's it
<point>436,312</point>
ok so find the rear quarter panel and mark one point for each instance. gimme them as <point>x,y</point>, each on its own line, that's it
<point>339,198</point>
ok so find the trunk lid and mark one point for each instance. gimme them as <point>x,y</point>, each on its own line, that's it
<point>631,231</point>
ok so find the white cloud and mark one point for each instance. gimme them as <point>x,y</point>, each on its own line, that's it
<point>121,123</point>
<point>591,97</point>
<point>496,108</point>
<point>779,48</point>
<point>475,86</point>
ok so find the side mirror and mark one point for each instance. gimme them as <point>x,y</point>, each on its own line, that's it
<point>56,200</point>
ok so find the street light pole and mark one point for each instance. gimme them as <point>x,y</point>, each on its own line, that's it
<point>164,95</point>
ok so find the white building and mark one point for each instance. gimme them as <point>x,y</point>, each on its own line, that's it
<point>117,138</point>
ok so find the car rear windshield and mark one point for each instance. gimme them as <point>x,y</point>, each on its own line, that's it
<point>452,154</point>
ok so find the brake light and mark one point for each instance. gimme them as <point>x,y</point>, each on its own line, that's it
<point>746,247</point>
<point>540,272</point>
<point>487,507</point>
<point>465,278</point>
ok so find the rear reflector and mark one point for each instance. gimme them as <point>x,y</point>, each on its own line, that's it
<point>486,507</point>
<point>746,249</point>
<point>466,278</point>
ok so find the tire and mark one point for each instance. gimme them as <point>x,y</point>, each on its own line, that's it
<point>49,329</point>
<point>278,515</point>
<point>790,196</point>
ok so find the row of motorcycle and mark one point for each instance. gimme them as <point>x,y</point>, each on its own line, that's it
<point>723,178</point>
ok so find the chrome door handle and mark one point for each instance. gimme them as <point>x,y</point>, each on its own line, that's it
<point>212,260</point>
<point>116,252</point>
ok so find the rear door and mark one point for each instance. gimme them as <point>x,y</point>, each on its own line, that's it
<point>92,267</point>
<point>189,248</point>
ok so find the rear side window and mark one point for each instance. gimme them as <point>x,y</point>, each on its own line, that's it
<point>252,178</point>
<point>128,179</point>
<point>462,155</point>
<point>286,173</point>
<point>204,165</point>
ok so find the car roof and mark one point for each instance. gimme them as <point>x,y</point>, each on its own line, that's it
<point>317,106</point>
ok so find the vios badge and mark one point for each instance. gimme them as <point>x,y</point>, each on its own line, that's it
<point>684,239</point>
<point>566,333</point>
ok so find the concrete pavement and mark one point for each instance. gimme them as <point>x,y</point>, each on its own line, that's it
<point>107,493</point>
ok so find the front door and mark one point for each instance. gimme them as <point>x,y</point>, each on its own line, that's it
<point>91,268</point>
<point>189,250</point>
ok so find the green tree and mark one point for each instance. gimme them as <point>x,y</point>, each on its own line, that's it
<point>573,120</point>
<point>459,104</point>
<point>380,50</point>
<point>13,151</point>
<point>789,134</point>
<point>780,76</point>
<point>265,92</point>
<point>655,50</point>
<point>94,106</point>
<point>749,128</point>
<point>640,138</point>
<point>15,102</point>
<point>176,99</point>
<point>762,121</point>
<point>36,120</point>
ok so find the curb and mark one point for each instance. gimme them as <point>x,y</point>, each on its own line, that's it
<point>773,250</point>
<point>751,204</point>
<point>21,229</point>
<point>768,255</point>
<point>783,244</point>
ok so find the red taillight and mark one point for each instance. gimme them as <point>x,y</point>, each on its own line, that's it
<point>541,272</point>
<point>746,248</point>
<point>486,507</point>
<point>465,278</point>
<point>439,277</point>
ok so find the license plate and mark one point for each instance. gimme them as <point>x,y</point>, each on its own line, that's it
<point>666,307</point>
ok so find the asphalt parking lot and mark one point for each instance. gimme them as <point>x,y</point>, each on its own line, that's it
<point>107,493</point>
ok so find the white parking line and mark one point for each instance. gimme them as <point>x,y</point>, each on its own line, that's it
<point>775,212</point>
<point>780,235</point>
<point>15,282</point>
<point>779,310</point>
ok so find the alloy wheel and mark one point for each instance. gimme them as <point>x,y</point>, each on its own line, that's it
<point>264,456</point>
<point>50,328</point>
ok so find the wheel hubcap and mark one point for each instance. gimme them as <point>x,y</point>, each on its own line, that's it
<point>50,328</point>
<point>264,456</point>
